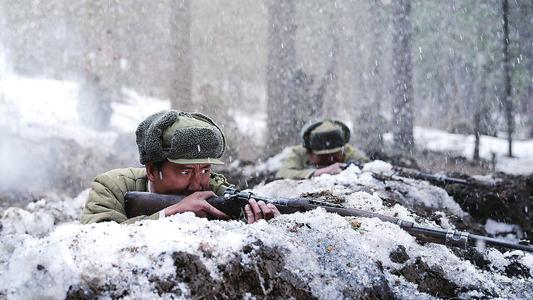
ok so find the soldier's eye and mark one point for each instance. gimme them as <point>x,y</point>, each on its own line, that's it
<point>205,171</point>
<point>185,173</point>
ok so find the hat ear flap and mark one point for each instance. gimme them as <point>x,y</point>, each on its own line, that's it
<point>141,133</point>
<point>150,134</point>
<point>345,130</point>
<point>306,131</point>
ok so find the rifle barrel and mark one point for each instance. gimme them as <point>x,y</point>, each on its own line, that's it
<point>233,201</point>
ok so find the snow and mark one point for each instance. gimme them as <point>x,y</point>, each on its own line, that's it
<point>251,124</point>
<point>494,227</point>
<point>378,166</point>
<point>323,249</point>
<point>39,218</point>
<point>510,232</point>
<point>353,179</point>
<point>44,250</point>
<point>459,144</point>
<point>271,165</point>
<point>36,108</point>
<point>135,107</point>
<point>39,108</point>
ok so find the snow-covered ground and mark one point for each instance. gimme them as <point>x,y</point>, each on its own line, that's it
<point>463,145</point>
<point>37,108</point>
<point>45,252</point>
<point>40,108</point>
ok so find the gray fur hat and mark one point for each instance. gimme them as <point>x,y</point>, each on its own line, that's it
<point>180,137</point>
<point>325,137</point>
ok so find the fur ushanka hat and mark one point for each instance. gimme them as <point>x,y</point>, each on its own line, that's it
<point>180,137</point>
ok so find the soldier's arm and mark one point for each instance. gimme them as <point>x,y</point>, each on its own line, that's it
<point>107,204</point>
<point>292,168</point>
<point>353,154</point>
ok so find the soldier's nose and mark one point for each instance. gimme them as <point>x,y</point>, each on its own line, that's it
<point>194,186</point>
<point>195,183</point>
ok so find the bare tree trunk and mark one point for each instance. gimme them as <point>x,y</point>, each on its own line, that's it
<point>325,98</point>
<point>98,87</point>
<point>370,120</point>
<point>181,82</point>
<point>282,128</point>
<point>479,111</point>
<point>403,76</point>
<point>477,121</point>
<point>508,102</point>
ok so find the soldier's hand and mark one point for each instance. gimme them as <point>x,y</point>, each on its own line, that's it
<point>335,168</point>
<point>257,210</point>
<point>196,203</point>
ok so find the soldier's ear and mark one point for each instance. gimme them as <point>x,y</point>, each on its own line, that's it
<point>151,171</point>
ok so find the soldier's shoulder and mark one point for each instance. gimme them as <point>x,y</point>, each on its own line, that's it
<point>130,173</point>
<point>218,183</point>
<point>299,150</point>
<point>218,177</point>
<point>351,148</point>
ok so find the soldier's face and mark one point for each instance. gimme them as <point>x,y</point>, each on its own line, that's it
<point>323,160</point>
<point>180,179</point>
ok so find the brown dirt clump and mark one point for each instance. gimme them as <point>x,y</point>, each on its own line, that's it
<point>265,278</point>
<point>509,200</point>
<point>430,280</point>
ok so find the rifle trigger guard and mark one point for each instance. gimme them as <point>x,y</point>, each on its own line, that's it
<point>456,238</point>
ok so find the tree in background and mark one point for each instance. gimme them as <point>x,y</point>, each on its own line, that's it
<point>214,104</point>
<point>402,85</point>
<point>521,13</point>
<point>370,123</point>
<point>507,100</point>
<point>325,98</point>
<point>481,108</point>
<point>229,42</point>
<point>281,67</point>
<point>180,30</point>
<point>99,84</point>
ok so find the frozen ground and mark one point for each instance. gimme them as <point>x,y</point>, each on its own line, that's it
<point>40,108</point>
<point>36,108</point>
<point>46,253</point>
<point>463,145</point>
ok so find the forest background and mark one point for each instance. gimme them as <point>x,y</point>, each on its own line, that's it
<point>381,66</point>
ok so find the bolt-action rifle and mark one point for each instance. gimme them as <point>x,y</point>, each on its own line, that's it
<point>411,173</point>
<point>233,201</point>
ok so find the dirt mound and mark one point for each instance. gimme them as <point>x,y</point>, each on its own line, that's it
<point>505,198</point>
<point>430,280</point>
<point>264,276</point>
<point>508,199</point>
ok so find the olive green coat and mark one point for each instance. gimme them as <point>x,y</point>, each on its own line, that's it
<point>106,197</point>
<point>297,165</point>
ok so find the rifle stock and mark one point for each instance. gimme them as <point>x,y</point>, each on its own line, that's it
<point>233,202</point>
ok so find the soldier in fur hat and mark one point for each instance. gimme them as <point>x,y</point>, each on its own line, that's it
<point>177,150</point>
<point>325,150</point>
